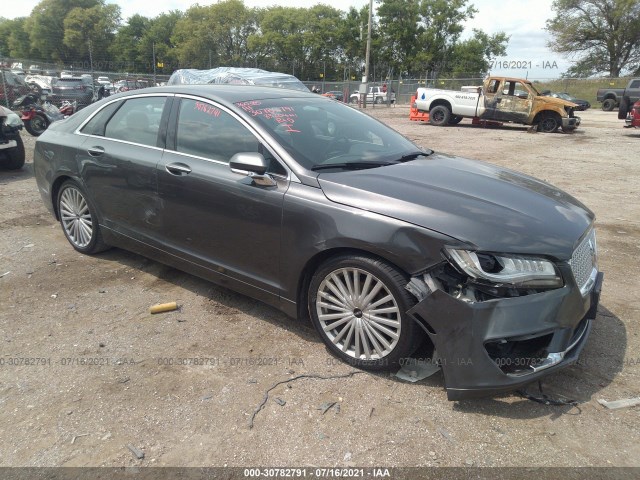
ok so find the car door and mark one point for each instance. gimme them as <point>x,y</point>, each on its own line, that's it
<point>118,163</point>
<point>515,103</point>
<point>212,216</point>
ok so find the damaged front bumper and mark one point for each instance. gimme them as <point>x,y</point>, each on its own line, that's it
<point>501,344</point>
<point>570,123</point>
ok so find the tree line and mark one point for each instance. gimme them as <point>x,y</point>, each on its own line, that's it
<point>409,37</point>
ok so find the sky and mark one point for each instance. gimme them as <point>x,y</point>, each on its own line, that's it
<point>527,53</point>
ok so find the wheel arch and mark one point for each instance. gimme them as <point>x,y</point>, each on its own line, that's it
<point>543,113</point>
<point>314,262</point>
<point>55,189</point>
<point>441,102</point>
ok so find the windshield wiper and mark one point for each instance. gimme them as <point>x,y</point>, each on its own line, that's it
<point>351,165</point>
<point>414,155</point>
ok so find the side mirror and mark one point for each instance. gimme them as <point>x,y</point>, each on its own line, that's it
<point>253,165</point>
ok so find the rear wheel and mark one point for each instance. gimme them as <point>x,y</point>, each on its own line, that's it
<point>13,157</point>
<point>549,123</point>
<point>439,115</point>
<point>608,104</point>
<point>78,219</point>
<point>358,305</point>
<point>37,125</point>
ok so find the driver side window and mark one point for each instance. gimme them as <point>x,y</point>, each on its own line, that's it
<point>207,131</point>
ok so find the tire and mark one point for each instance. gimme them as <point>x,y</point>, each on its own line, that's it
<point>378,100</point>
<point>14,157</point>
<point>393,335</point>
<point>625,106</point>
<point>37,125</point>
<point>78,219</point>
<point>439,115</point>
<point>354,100</point>
<point>549,122</point>
<point>455,119</point>
<point>608,104</point>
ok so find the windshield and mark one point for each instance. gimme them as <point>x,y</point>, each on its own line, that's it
<point>533,89</point>
<point>319,132</point>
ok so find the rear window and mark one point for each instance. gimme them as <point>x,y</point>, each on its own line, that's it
<point>68,81</point>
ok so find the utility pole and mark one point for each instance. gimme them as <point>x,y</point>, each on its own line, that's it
<point>154,62</point>
<point>367,56</point>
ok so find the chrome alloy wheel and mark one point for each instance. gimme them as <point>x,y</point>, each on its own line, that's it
<point>358,313</point>
<point>76,218</point>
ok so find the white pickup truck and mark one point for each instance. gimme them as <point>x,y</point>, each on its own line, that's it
<point>500,99</point>
<point>376,94</point>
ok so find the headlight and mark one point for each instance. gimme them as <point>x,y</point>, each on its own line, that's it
<point>516,270</point>
<point>13,120</point>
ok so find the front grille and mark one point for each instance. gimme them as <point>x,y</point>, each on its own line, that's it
<point>584,261</point>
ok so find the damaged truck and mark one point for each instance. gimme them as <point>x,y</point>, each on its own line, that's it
<point>500,99</point>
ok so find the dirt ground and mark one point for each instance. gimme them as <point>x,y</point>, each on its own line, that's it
<point>101,373</point>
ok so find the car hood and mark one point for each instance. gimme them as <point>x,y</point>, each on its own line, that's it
<point>556,101</point>
<point>488,207</point>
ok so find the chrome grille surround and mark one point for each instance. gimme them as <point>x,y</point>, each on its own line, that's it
<point>584,263</point>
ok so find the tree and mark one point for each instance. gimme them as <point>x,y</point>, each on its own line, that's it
<point>46,27</point>
<point>472,56</point>
<point>89,31</point>
<point>216,35</point>
<point>14,40</point>
<point>603,35</point>
<point>125,47</point>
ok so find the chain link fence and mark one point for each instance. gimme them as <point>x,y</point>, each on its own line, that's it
<point>123,74</point>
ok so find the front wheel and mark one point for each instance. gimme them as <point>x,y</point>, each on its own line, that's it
<point>439,115</point>
<point>379,100</point>
<point>78,219</point>
<point>37,125</point>
<point>549,123</point>
<point>358,306</point>
<point>14,157</point>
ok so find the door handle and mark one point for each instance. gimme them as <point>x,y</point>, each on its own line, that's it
<point>177,169</point>
<point>95,151</point>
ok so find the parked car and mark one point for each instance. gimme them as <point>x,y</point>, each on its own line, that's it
<point>581,104</point>
<point>72,89</point>
<point>611,97</point>
<point>633,118</point>
<point>12,86</point>
<point>39,83</point>
<point>126,85</point>
<point>335,94</point>
<point>630,95</point>
<point>320,210</point>
<point>376,94</point>
<point>501,99</point>
<point>12,154</point>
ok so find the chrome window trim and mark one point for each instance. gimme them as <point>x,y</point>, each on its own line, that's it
<point>77,131</point>
<point>263,139</point>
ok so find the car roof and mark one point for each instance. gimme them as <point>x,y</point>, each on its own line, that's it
<point>227,93</point>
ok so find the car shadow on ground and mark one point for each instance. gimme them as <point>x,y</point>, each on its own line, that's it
<point>632,135</point>
<point>598,365</point>
<point>603,358</point>
<point>505,126</point>
<point>223,299</point>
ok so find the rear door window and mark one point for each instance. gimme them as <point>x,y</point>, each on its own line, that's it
<point>137,121</point>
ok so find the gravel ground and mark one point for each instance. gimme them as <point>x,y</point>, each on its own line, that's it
<point>104,373</point>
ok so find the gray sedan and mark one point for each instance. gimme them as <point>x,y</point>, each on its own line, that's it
<point>323,212</point>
